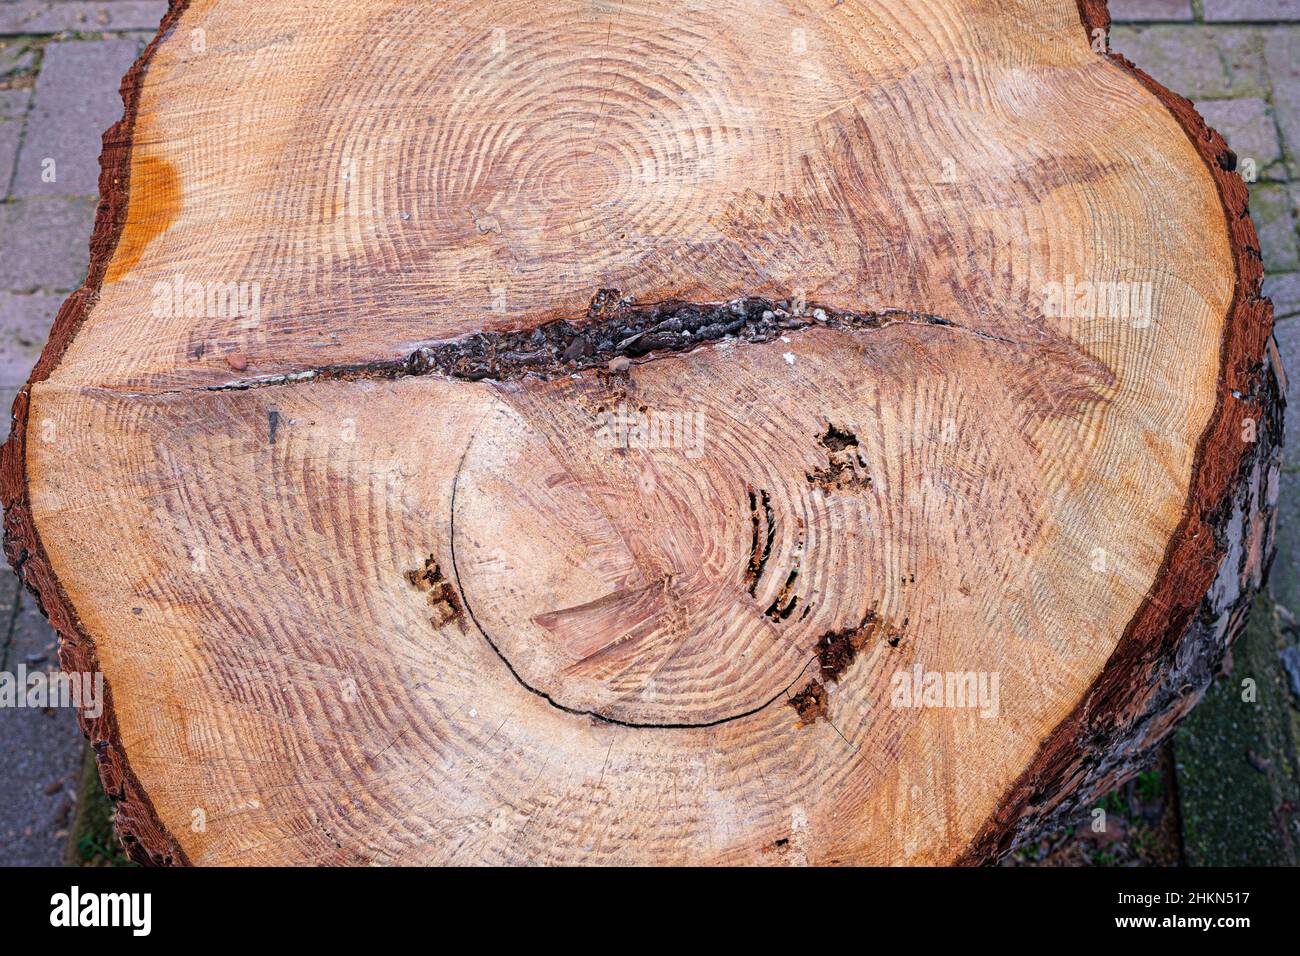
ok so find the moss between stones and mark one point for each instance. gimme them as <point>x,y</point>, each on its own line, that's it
<point>1237,759</point>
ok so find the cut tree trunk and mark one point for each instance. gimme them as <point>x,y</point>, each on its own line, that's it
<point>647,433</point>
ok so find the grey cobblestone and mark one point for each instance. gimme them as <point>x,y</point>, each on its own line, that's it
<point>1282,54</point>
<point>15,57</point>
<point>24,326</point>
<point>13,103</point>
<point>1284,578</point>
<point>1247,125</point>
<point>1270,208</point>
<point>1284,289</point>
<point>1287,334</point>
<point>1146,10</point>
<point>13,106</point>
<point>1198,61</point>
<point>72,15</point>
<point>1267,10</point>
<point>76,99</point>
<point>9,135</point>
<point>45,243</point>
<point>40,749</point>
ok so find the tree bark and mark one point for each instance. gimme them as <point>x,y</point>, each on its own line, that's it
<point>747,433</point>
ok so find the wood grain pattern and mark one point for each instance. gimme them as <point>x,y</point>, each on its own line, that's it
<point>366,583</point>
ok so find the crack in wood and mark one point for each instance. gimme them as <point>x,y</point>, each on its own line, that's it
<point>786,601</point>
<point>616,332</point>
<point>758,556</point>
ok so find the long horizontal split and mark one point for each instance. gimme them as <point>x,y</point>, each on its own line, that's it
<point>616,333</point>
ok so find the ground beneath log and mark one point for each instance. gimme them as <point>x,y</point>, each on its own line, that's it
<point>1140,827</point>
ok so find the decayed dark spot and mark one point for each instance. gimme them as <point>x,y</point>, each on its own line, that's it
<point>837,440</point>
<point>273,423</point>
<point>441,593</point>
<point>777,846</point>
<point>836,650</point>
<point>846,465</point>
<point>810,703</point>
<point>579,347</point>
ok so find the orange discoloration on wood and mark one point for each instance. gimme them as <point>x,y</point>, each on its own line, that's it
<point>154,205</point>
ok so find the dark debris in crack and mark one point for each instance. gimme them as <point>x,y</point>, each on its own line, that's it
<point>615,333</point>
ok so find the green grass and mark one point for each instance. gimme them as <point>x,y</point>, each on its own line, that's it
<point>94,841</point>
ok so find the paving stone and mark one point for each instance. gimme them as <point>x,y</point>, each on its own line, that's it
<point>1121,10</point>
<point>10,134</point>
<point>1270,208</point>
<point>1284,290</point>
<point>40,749</point>
<point>60,15</point>
<point>1282,54</point>
<point>1197,61</point>
<point>24,326</point>
<point>1228,10</point>
<point>45,244</point>
<point>13,106</point>
<point>1290,657</point>
<point>16,56</point>
<point>1287,334</point>
<point>13,103</point>
<point>1294,190</point>
<point>1284,577</point>
<point>1248,126</point>
<point>76,99</point>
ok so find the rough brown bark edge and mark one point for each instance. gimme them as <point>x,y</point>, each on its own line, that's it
<point>1215,562</point>
<point>143,834</point>
<point>1127,710</point>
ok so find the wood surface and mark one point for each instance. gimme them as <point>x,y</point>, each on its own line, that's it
<point>369,585</point>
